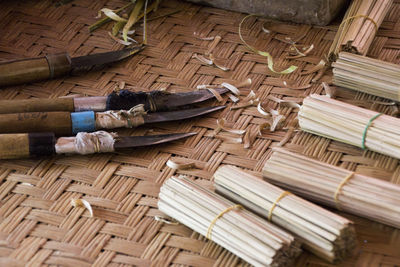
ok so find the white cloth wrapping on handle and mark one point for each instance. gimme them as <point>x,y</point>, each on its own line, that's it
<point>86,143</point>
<point>122,118</point>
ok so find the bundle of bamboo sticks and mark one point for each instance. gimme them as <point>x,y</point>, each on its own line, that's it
<point>322,232</point>
<point>248,236</point>
<point>364,74</point>
<point>359,26</point>
<point>330,185</point>
<point>350,124</point>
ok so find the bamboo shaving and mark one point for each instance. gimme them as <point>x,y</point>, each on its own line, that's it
<point>270,61</point>
<point>203,59</point>
<point>274,119</point>
<point>180,166</point>
<point>245,83</point>
<point>231,88</point>
<point>230,139</point>
<point>284,103</point>
<point>328,90</point>
<point>196,35</point>
<point>82,203</point>
<point>216,64</point>
<point>133,18</point>
<point>316,68</point>
<point>291,129</point>
<point>216,94</point>
<point>233,98</point>
<point>301,54</point>
<point>221,126</point>
<point>164,220</point>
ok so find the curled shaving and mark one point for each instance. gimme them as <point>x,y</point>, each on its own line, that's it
<point>274,119</point>
<point>165,220</point>
<point>221,126</point>
<point>298,53</point>
<point>270,61</point>
<point>316,68</point>
<point>82,203</point>
<point>231,88</point>
<point>216,94</point>
<point>180,166</point>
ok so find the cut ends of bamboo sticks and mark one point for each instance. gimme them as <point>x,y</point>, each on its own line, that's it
<point>364,74</point>
<point>336,187</point>
<point>322,232</point>
<point>253,239</point>
<point>350,124</point>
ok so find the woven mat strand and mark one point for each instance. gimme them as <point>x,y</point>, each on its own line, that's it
<point>38,225</point>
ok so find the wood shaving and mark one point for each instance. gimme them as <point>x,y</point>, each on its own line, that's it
<point>300,54</point>
<point>216,94</point>
<point>291,129</point>
<point>231,88</point>
<point>274,119</point>
<point>328,90</point>
<point>221,126</point>
<point>119,40</point>
<point>180,166</point>
<point>245,83</point>
<point>233,98</point>
<point>165,220</point>
<point>230,139</point>
<point>195,34</point>
<point>203,59</point>
<point>316,68</point>
<point>284,103</point>
<point>82,203</point>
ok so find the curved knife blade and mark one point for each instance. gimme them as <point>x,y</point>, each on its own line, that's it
<point>179,115</point>
<point>103,58</point>
<point>138,141</point>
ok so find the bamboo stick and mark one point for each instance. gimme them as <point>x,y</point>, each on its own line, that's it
<point>367,75</point>
<point>361,195</point>
<point>350,124</point>
<point>327,235</point>
<point>359,27</point>
<point>241,232</point>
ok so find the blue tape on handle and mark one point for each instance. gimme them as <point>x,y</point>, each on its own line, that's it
<point>83,122</point>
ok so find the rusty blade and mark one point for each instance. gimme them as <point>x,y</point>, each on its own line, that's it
<point>179,115</point>
<point>103,58</point>
<point>182,99</point>
<point>139,141</point>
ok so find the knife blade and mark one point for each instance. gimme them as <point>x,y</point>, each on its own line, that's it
<point>55,65</point>
<point>140,141</point>
<point>16,146</point>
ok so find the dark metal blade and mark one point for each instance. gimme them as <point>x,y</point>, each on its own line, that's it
<point>179,115</point>
<point>181,99</point>
<point>103,58</point>
<point>138,141</point>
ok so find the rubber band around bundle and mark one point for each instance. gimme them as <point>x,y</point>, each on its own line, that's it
<point>282,195</point>
<point>366,129</point>
<point>339,188</point>
<point>209,230</point>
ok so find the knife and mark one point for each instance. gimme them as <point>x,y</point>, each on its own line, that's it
<point>67,123</point>
<point>15,146</point>
<point>55,65</point>
<point>152,101</point>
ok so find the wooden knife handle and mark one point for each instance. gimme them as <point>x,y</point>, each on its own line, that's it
<point>37,104</point>
<point>16,146</point>
<point>57,122</point>
<point>34,69</point>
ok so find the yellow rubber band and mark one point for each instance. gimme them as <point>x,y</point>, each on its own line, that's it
<point>284,194</point>
<point>363,16</point>
<point>342,183</point>
<point>209,231</point>
<point>335,51</point>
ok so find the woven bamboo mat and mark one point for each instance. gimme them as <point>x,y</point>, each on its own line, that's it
<point>38,225</point>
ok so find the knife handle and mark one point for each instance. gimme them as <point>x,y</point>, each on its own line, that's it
<point>34,69</point>
<point>16,146</point>
<point>57,122</point>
